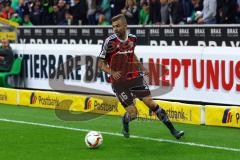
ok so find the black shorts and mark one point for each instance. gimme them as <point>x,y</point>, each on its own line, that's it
<point>127,91</point>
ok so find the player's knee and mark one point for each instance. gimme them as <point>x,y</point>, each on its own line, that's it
<point>149,102</point>
<point>133,115</point>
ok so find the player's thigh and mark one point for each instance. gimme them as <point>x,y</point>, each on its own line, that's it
<point>142,92</point>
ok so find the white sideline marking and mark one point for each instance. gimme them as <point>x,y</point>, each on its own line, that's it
<point>118,134</point>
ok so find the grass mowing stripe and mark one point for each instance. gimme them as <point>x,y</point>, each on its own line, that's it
<point>118,134</point>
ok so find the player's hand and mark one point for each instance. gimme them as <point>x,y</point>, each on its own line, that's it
<point>116,75</point>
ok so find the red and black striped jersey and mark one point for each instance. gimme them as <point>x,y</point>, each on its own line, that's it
<point>119,55</point>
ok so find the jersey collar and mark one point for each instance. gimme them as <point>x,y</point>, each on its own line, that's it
<point>121,40</point>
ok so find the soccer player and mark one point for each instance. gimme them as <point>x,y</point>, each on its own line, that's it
<point>117,58</point>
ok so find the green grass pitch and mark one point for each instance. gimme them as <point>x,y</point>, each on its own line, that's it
<point>20,140</point>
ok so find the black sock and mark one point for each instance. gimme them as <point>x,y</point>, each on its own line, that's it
<point>126,118</point>
<point>162,115</point>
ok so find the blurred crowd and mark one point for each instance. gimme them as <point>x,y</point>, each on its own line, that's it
<point>137,12</point>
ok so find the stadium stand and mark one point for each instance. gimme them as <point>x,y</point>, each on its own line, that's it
<point>88,12</point>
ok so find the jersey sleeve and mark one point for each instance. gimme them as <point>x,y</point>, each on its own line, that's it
<point>103,53</point>
<point>135,41</point>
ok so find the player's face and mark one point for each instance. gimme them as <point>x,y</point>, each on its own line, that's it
<point>119,28</point>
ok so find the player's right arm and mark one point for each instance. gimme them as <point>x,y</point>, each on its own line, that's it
<point>102,64</point>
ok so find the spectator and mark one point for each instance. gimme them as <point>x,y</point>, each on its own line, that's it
<point>142,2</point>
<point>91,14</point>
<point>227,12</point>
<point>116,6</point>
<point>105,9</point>
<point>1,6</point>
<point>144,16</point>
<point>61,12</point>
<point>69,2</point>
<point>84,12</point>
<point>219,6</point>
<point>26,20</point>
<point>16,18</point>
<point>55,16</point>
<point>21,9</point>
<point>14,4</point>
<point>50,2</point>
<point>102,21</point>
<point>155,17</point>
<point>197,5</point>
<point>47,12</point>
<point>197,11</point>
<point>209,12</point>
<point>68,19</point>
<point>79,12</point>
<point>7,11</point>
<point>176,12</point>
<point>131,12</point>
<point>36,15</point>
<point>164,12</point>
<point>238,11</point>
<point>6,56</point>
<point>29,6</point>
<point>187,7</point>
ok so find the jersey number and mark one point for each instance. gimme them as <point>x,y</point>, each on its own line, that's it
<point>123,96</point>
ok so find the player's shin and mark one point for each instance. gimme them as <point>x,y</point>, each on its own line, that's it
<point>162,115</point>
<point>125,121</point>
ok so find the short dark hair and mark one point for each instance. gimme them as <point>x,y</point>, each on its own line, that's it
<point>119,17</point>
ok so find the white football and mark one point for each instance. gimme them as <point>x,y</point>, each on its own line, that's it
<point>93,139</point>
